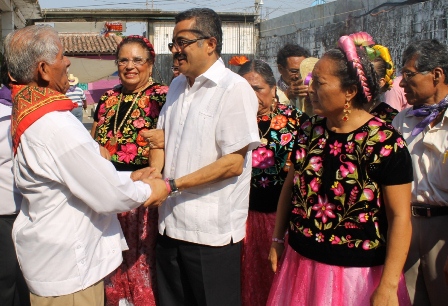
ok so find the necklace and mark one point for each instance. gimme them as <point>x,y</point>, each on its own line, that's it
<point>263,140</point>
<point>114,139</point>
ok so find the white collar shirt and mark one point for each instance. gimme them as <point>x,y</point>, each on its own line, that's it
<point>11,197</point>
<point>67,234</point>
<point>428,151</point>
<point>202,123</point>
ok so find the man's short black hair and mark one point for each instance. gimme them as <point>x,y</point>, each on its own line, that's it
<point>291,50</point>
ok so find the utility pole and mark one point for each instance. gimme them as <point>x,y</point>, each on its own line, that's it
<point>258,7</point>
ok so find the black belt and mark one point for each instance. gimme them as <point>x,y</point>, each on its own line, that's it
<point>428,211</point>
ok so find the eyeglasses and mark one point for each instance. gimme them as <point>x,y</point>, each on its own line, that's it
<point>137,61</point>
<point>174,68</point>
<point>180,44</point>
<point>407,75</point>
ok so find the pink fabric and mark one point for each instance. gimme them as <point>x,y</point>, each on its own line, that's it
<point>302,281</point>
<point>135,280</point>
<point>395,96</point>
<point>256,272</point>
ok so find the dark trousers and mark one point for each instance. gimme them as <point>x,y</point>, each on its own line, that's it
<point>13,289</point>
<point>190,274</point>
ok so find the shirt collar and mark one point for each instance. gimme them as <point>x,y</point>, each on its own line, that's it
<point>214,73</point>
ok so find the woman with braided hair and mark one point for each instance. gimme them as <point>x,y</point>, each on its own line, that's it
<point>384,67</point>
<point>122,115</point>
<point>345,201</point>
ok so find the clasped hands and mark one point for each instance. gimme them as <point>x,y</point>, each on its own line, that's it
<point>153,178</point>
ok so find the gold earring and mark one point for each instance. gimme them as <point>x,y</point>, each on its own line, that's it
<point>274,101</point>
<point>347,110</point>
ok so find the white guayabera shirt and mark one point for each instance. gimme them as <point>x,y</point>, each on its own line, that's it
<point>215,117</point>
<point>67,234</point>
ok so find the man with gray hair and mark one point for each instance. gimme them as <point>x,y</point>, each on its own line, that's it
<point>425,128</point>
<point>67,235</point>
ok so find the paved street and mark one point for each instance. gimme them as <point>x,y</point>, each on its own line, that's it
<point>87,118</point>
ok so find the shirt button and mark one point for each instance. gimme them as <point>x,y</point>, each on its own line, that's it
<point>78,247</point>
<point>83,261</point>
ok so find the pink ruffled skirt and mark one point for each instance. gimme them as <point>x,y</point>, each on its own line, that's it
<point>256,271</point>
<point>305,282</point>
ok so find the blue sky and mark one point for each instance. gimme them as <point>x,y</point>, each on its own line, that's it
<point>270,8</point>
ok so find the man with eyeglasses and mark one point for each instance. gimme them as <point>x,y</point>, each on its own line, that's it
<point>290,88</point>
<point>425,129</point>
<point>210,126</point>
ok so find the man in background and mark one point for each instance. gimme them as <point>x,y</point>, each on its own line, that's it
<point>77,95</point>
<point>290,88</point>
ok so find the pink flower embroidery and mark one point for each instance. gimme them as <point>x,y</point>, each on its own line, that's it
<point>349,147</point>
<point>320,237</point>
<point>154,109</point>
<point>262,158</point>
<point>162,90</point>
<point>307,232</point>
<point>335,239</point>
<point>360,136</point>
<point>366,245</point>
<point>322,143</point>
<point>139,123</point>
<point>296,178</point>
<point>127,153</point>
<point>102,110</point>
<point>368,193</point>
<point>400,142</point>
<point>375,123</point>
<point>338,189</point>
<point>316,163</point>
<point>344,171</point>
<point>315,184</point>
<point>300,154</point>
<point>335,148</point>
<point>363,217</point>
<point>285,138</point>
<point>264,182</point>
<point>324,209</point>
<point>382,136</point>
<point>385,151</point>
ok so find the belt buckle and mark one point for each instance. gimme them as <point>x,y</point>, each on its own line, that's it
<point>415,214</point>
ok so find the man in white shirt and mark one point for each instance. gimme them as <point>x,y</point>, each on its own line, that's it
<point>67,235</point>
<point>210,126</point>
<point>425,129</point>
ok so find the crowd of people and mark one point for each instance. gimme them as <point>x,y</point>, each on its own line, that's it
<point>324,187</point>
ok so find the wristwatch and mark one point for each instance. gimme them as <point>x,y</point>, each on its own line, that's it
<point>174,190</point>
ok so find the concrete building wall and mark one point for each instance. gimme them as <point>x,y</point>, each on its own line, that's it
<point>392,24</point>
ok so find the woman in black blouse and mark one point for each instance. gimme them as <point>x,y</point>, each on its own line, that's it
<point>348,217</point>
<point>277,126</point>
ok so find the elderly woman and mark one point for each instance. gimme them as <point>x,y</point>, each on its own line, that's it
<point>348,217</point>
<point>277,125</point>
<point>122,115</point>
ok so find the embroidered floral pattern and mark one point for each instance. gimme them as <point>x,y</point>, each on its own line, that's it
<point>335,195</point>
<point>131,147</point>
<point>269,162</point>
<point>385,112</point>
